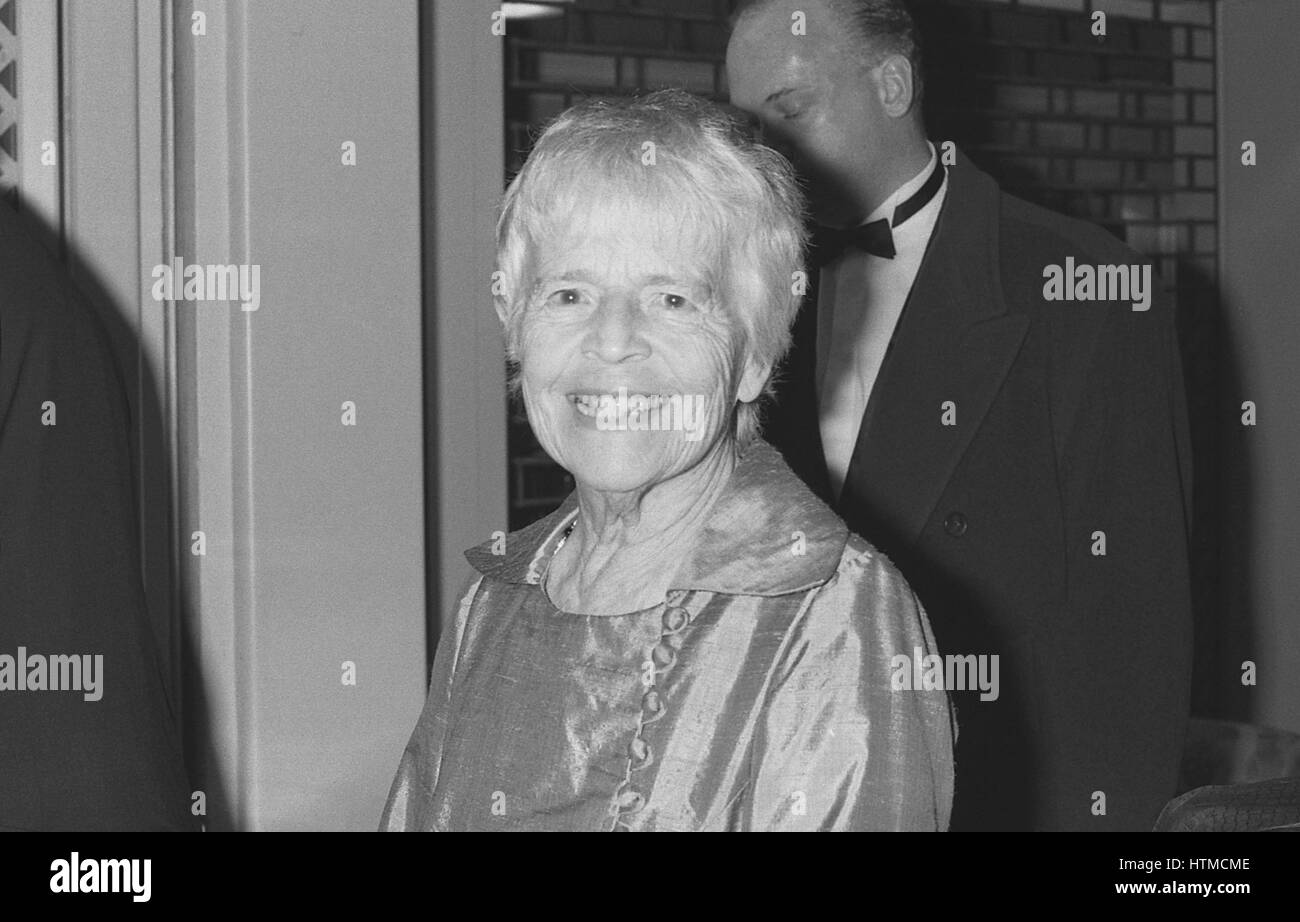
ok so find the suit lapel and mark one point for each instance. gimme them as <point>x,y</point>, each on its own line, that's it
<point>954,342</point>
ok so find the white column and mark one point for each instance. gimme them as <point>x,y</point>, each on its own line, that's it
<point>36,25</point>
<point>314,529</point>
<point>464,125</point>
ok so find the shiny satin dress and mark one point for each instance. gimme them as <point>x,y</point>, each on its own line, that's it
<point>756,696</point>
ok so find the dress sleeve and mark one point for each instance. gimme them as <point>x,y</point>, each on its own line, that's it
<point>407,809</point>
<point>839,748</point>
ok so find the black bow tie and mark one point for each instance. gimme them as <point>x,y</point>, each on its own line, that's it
<point>876,237</point>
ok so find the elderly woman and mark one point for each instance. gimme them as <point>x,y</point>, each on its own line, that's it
<point>692,641</point>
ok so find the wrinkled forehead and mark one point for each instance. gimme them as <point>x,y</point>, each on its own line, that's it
<point>635,219</point>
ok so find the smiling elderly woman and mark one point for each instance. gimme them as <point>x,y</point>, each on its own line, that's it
<point>692,641</point>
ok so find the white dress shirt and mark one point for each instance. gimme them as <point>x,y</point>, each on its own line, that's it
<point>860,298</point>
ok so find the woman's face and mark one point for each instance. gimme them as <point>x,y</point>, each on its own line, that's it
<point>630,362</point>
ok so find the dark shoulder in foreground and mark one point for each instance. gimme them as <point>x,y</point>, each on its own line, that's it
<point>35,292</point>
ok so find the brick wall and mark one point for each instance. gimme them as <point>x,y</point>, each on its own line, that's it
<point>1117,130</point>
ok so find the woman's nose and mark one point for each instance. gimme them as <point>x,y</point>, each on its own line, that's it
<point>616,333</point>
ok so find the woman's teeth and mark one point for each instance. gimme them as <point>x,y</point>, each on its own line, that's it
<point>590,404</point>
<point>586,404</point>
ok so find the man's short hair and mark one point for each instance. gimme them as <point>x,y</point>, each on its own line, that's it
<point>877,27</point>
<point>708,172</point>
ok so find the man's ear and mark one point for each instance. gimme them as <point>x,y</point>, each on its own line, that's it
<point>895,84</point>
<point>753,379</point>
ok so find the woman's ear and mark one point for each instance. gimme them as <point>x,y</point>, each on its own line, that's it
<point>753,379</point>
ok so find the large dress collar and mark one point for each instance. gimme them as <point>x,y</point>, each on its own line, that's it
<point>766,535</point>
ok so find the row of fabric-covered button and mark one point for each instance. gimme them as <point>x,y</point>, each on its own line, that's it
<point>628,800</point>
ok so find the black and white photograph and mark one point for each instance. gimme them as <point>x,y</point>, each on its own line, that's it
<point>651,416</point>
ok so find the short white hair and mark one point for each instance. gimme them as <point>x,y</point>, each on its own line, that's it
<point>710,168</point>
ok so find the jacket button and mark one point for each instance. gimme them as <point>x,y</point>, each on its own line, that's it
<point>955,524</point>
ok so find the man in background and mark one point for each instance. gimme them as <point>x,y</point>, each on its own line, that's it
<point>104,753</point>
<point>1023,460</point>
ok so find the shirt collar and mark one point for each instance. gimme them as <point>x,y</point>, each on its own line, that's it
<point>767,534</point>
<point>905,191</point>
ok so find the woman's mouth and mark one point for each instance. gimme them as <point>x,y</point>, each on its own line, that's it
<point>592,403</point>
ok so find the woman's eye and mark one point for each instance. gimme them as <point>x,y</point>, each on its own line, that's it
<point>566,297</point>
<point>676,302</point>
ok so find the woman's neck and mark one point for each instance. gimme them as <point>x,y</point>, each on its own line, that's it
<point>625,548</point>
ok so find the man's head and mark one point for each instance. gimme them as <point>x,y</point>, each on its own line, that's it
<point>837,86</point>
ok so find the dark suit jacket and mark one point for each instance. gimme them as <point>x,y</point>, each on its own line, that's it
<point>1070,420</point>
<point>70,569</point>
